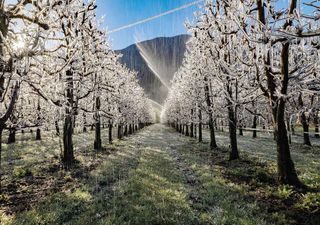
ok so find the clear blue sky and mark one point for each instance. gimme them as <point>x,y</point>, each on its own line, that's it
<point>122,12</point>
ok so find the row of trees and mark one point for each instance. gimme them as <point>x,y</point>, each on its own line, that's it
<point>57,71</point>
<point>250,61</point>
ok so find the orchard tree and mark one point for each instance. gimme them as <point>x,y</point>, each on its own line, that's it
<point>283,39</point>
<point>275,34</point>
<point>17,43</point>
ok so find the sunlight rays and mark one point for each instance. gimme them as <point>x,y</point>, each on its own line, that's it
<point>151,63</point>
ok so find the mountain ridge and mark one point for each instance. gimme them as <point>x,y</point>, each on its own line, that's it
<point>155,61</point>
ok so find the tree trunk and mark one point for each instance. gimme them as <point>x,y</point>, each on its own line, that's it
<point>316,125</point>
<point>240,130</point>
<point>304,122</point>
<point>286,170</point>
<point>232,116</point>
<point>213,143</point>
<point>56,125</point>
<point>97,140</point>
<point>120,131</point>
<point>130,129</point>
<point>68,156</point>
<point>222,124</point>
<point>234,154</point>
<point>191,130</point>
<point>192,124</point>
<point>215,124</point>
<point>289,130</point>
<point>1,129</point>
<point>38,131</point>
<point>187,130</point>
<point>126,130</point>
<point>12,136</point>
<point>38,134</point>
<point>200,126</point>
<point>305,125</point>
<point>254,126</point>
<point>110,133</point>
<point>84,123</point>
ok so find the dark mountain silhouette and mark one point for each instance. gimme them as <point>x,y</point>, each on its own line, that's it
<point>156,61</point>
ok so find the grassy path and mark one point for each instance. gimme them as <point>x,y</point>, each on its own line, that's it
<point>172,184</point>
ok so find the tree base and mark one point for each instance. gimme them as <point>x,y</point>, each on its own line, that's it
<point>68,162</point>
<point>38,135</point>
<point>233,156</point>
<point>97,145</point>
<point>12,137</point>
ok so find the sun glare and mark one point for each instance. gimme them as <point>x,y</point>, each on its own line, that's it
<point>19,45</point>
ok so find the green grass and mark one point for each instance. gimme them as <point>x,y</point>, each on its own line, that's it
<point>218,201</point>
<point>153,177</point>
<point>263,149</point>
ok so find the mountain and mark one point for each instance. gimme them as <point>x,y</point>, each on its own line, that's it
<point>156,61</point>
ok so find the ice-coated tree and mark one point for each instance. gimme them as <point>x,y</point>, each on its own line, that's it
<point>16,45</point>
<point>67,65</point>
<point>221,49</point>
<point>275,35</point>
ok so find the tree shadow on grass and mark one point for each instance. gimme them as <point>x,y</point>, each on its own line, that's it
<point>60,208</point>
<point>256,181</point>
<point>36,172</point>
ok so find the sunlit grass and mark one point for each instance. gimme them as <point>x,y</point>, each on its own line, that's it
<point>154,194</point>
